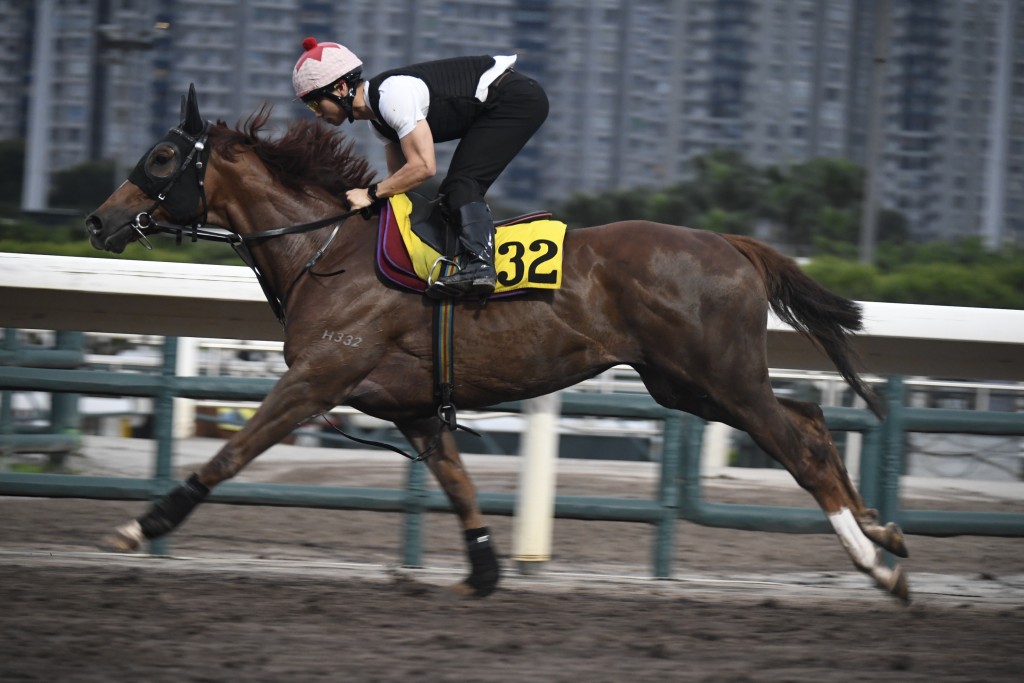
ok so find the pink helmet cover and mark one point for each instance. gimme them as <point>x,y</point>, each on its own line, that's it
<point>320,65</point>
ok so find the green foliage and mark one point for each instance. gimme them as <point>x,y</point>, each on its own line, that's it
<point>804,202</point>
<point>12,163</point>
<point>947,274</point>
<point>815,208</point>
<point>69,239</point>
<point>203,252</point>
<point>721,220</point>
<point>849,278</point>
<point>83,187</point>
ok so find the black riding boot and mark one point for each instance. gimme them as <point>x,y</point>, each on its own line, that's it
<point>476,275</point>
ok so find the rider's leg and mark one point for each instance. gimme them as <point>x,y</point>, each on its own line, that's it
<point>476,275</point>
<point>517,108</point>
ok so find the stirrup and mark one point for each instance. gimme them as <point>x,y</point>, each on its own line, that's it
<point>440,290</point>
<point>473,286</point>
<point>436,289</point>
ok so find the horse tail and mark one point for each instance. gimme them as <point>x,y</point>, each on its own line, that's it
<point>825,318</point>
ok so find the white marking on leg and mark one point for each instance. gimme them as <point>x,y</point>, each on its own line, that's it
<point>856,543</point>
<point>860,547</point>
<point>133,532</point>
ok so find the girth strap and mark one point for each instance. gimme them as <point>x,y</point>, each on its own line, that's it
<point>444,360</point>
<point>444,371</point>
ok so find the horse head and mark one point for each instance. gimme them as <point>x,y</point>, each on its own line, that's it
<point>167,184</point>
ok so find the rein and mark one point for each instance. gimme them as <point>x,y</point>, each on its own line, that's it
<point>240,243</point>
<point>159,190</point>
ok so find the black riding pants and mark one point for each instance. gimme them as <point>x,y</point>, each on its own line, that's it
<point>515,108</point>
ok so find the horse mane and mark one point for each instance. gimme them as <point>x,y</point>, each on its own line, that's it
<point>309,153</point>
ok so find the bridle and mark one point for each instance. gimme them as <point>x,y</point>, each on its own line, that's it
<point>177,205</point>
<point>181,200</point>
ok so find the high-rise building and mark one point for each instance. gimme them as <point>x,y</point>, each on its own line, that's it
<point>637,89</point>
<point>14,61</point>
<point>948,99</point>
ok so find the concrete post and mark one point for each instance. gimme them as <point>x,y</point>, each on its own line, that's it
<point>535,500</point>
<point>187,365</point>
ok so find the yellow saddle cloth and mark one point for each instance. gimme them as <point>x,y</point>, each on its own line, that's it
<point>528,255</point>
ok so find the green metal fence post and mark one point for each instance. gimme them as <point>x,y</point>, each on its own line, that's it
<point>163,432</point>
<point>689,490</point>
<point>892,445</point>
<point>892,450</point>
<point>668,496</point>
<point>64,416</point>
<point>415,504</point>
<point>870,466</point>
<point>7,399</point>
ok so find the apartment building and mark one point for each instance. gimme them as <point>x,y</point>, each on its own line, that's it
<point>637,89</point>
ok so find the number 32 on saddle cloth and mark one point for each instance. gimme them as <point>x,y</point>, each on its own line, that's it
<point>528,249</point>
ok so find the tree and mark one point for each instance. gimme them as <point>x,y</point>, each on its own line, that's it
<point>82,187</point>
<point>12,165</point>
<point>724,180</point>
<point>583,210</point>
<point>817,198</point>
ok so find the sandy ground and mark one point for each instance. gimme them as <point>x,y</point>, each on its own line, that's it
<point>274,594</point>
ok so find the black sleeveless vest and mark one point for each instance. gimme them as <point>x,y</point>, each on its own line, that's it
<point>452,85</point>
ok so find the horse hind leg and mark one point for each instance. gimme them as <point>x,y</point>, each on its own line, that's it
<point>804,446</point>
<point>446,465</point>
<point>811,422</point>
<point>796,435</point>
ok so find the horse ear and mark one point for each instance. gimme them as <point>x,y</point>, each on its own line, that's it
<point>191,120</point>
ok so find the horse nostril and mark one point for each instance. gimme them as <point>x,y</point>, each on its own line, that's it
<point>93,225</point>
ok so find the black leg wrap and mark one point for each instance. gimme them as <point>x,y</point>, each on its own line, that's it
<point>171,510</point>
<point>485,569</point>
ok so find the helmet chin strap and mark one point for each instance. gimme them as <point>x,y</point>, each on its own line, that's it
<point>345,102</point>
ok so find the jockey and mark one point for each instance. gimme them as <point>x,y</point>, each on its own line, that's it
<point>481,101</point>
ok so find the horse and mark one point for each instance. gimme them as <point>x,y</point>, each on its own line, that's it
<point>687,309</point>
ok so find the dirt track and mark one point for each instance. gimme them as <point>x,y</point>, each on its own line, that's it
<point>304,595</point>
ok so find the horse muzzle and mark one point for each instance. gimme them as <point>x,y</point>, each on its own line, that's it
<point>105,238</point>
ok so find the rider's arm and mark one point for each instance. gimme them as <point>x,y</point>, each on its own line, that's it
<point>415,163</point>
<point>394,157</point>
<point>403,103</point>
<point>417,153</point>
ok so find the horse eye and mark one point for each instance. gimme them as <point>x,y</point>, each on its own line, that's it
<point>161,161</point>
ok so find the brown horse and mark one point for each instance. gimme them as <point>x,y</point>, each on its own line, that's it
<point>687,309</point>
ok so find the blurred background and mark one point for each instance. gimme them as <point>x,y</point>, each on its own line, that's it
<point>881,143</point>
<point>867,137</point>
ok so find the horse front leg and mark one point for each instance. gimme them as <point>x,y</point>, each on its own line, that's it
<point>446,465</point>
<point>296,397</point>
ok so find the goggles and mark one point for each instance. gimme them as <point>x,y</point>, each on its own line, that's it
<point>312,100</point>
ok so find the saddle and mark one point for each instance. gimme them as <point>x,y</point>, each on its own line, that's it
<point>412,239</point>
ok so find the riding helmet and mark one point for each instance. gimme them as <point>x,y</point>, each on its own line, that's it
<point>322,64</point>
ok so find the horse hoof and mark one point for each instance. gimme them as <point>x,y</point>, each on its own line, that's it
<point>465,589</point>
<point>895,542</point>
<point>898,586</point>
<point>126,538</point>
<point>478,584</point>
<point>889,537</point>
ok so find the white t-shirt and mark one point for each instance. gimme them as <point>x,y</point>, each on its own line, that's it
<point>405,100</point>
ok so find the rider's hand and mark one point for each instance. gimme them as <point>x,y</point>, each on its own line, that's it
<point>358,198</point>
